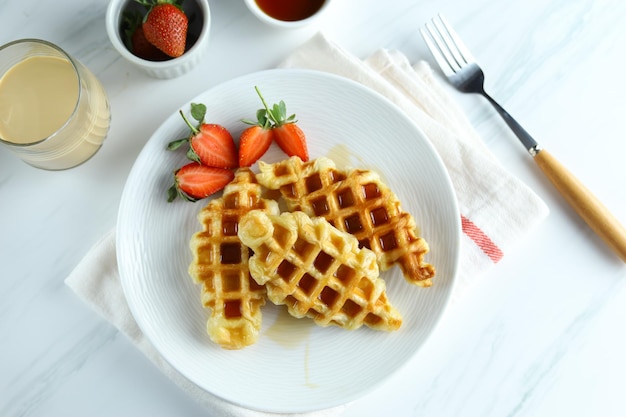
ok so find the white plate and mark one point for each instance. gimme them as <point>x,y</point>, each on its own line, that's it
<point>295,366</point>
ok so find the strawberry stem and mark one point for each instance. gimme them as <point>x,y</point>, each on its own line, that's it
<point>267,109</point>
<point>278,113</point>
<point>194,129</point>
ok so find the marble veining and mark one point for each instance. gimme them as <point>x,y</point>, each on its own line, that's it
<point>40,381</point>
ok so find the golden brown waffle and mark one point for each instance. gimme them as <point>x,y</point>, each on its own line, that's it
<point>220,264</point>
<point>317,271</point>
<point>355,201</point>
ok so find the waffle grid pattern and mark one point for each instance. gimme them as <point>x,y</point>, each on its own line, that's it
<point>317,271</point>
<point>220,264</point>
<point>356,202</point>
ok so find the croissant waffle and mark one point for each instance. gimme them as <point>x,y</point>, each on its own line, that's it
<point>355,201</point>
<point>317,271</point>
<point>220,264</point>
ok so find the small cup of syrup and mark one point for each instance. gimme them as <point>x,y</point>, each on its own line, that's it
<point>288,14</point>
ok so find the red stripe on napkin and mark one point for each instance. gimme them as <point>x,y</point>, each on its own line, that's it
<point>481,239</point>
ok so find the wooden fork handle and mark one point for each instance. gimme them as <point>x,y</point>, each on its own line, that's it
<point>588,207</point>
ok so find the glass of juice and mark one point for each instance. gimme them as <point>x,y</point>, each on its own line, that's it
<point>54,113</point>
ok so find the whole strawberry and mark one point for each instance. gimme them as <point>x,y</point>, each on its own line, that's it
<point>136,39</point>
<point>165,26</point>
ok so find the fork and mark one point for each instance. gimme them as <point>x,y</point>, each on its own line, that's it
<point>462,71</point>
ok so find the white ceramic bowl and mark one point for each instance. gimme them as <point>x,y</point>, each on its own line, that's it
<point>265,18</point>
<point>160,69</point>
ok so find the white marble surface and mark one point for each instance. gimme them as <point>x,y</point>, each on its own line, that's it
<point>541,335</point>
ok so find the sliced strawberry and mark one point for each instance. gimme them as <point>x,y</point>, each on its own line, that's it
<point>209,143</point>
<point>213,145</point>
<point>195,181</point>
<point>165,26</point>
<point>255,140</point>
<point>288,136</point>
<point>253,143</point>
<point>291,140</point>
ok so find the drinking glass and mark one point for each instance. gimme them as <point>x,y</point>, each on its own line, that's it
<point>54,113</point>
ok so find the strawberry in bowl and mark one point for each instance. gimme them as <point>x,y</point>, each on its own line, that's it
<point>165,26</point>
<point>164,38</point>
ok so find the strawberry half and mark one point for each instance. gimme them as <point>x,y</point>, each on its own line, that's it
<point>291,140</point>
<point>165,26</point>
<point>255,140</point>
<point>209,143</point>
<point>195,181</point>
<point>288,136</point>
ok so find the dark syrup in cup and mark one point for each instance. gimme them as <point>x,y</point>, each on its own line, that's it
<point>290,10</point>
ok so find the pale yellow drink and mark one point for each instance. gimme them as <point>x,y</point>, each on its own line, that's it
<point>53,112</point>
<point>37,97</point>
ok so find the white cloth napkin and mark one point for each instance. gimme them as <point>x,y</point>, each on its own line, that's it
<point>497,210</point>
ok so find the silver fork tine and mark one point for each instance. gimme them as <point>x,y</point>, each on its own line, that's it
<point>445,44</point>
<point>442,61</point>
<point>453,41</point>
